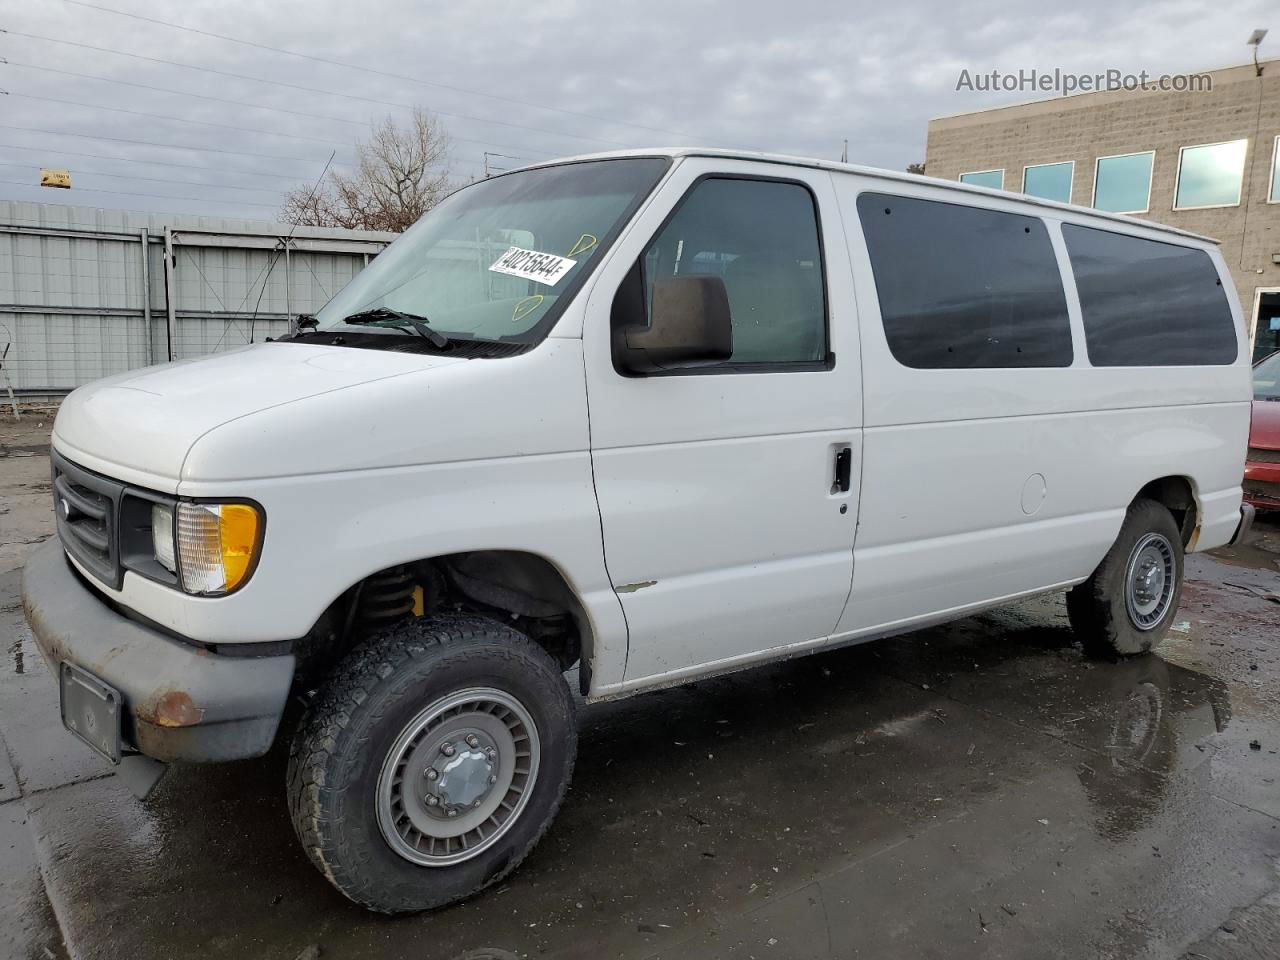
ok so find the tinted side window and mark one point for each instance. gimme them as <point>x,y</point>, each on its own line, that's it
<point>1147,303</point>
<point>963,287</point>
<point>761,238</point>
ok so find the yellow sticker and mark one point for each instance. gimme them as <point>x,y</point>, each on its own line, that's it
<point>585,243</point>
<point>526,307</point>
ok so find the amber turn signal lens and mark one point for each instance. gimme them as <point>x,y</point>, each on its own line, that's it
<point>216,545</point>
<point>238,527</point>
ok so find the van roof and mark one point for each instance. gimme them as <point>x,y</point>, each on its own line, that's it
<point>878,173</point>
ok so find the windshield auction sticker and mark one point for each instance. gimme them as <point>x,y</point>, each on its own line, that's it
<point>531,265</point>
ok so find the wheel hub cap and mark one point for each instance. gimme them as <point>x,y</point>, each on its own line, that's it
<point>1149,581</point>
<point>463,780</point>
<point>457,777</point>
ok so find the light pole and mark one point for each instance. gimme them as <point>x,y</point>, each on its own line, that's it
<point>1255,41</point>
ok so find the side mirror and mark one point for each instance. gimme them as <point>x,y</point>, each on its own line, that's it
<point>689,326</point>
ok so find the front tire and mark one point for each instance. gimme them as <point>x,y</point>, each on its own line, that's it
<point>431,762</point>
<point>1125,608</point>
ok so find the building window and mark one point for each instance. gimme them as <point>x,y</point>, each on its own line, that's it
<point>1122,184</point>
<point>964,287</point>
<point>1274,196</point>
<point>1146,303</point>
<point>1266,326</point>
<point>984,178</point>
<point>1051,181</point>
<point>1210,175</point>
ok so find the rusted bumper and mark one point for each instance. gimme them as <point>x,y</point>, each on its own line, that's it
<point>184,702</point>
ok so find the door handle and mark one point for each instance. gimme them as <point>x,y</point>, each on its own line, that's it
<point>844,470</point>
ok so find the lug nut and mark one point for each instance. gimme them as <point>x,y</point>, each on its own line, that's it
<point>447,749</point>
<point>491,753</point>
<point>493,778</point>
<point>473,741</point>
<point>476,804</point>
<point>432,800</point>
<point>432,773</point>
<point>453,812</point>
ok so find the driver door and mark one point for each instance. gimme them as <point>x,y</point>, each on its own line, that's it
<point>727,536</point>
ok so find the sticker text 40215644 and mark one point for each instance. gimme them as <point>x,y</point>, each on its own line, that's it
<point>547,268</point>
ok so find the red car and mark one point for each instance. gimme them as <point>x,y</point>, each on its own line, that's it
<point>1262,465</point>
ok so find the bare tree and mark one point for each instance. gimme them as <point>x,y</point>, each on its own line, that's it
<point>401,173</point>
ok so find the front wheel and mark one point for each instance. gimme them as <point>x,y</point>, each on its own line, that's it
<point>432,762</point>
<point>1126,606</point>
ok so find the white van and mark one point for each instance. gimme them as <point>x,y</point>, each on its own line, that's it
<point>656,415</point>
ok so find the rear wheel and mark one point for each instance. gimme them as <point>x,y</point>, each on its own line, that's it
<point>432,762</point>
<point>1126,606</point>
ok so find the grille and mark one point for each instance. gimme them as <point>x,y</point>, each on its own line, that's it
<point>1259,455</point>
<point>86,506</point>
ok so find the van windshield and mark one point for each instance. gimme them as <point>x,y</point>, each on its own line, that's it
<point>1266,378</point>
<point>500,259</point>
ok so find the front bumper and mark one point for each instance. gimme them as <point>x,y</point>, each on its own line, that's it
<point>184,703</point>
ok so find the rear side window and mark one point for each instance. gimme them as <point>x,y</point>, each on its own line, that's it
<point>965,287</point>
<point>1147,303</point>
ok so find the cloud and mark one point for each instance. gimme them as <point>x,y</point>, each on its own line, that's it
<point>563,77</point>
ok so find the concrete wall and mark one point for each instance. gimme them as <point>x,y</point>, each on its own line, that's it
<point>74,306</point>
<point>1085,127</point>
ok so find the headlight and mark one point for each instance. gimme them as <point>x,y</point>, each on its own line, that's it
<point>216,543</point>
<point>162,535</point>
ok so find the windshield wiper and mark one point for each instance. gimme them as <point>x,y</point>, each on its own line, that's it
<point>398,318</point>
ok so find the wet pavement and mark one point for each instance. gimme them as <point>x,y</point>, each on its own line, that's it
<point>980,789</point>
<point>25,517</point>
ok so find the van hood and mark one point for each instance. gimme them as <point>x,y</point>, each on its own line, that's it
<point>139,426</point>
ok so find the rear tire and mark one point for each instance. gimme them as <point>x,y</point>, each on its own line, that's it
<point>431,762</point>
<point>1125,608</point>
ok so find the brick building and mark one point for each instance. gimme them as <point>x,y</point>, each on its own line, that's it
<point>1206,161</point>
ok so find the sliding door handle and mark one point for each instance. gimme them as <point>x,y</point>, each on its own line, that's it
<point>844,470</point>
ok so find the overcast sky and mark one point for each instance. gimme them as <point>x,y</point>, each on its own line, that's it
<point>533,79</point>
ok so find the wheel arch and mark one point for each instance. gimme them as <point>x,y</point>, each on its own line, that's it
<point>519,587</point>
<point>1178,494</point>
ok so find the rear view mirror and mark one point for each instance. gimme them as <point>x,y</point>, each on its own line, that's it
<point>689,326</point>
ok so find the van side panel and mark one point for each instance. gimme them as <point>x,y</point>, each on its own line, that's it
<point>985,484</point>
<point>944,519</point>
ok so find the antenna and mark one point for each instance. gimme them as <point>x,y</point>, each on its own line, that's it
<point>844,154</point>
<point>276,254</point>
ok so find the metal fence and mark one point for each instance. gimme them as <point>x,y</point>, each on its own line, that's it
<point>86,293</point>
